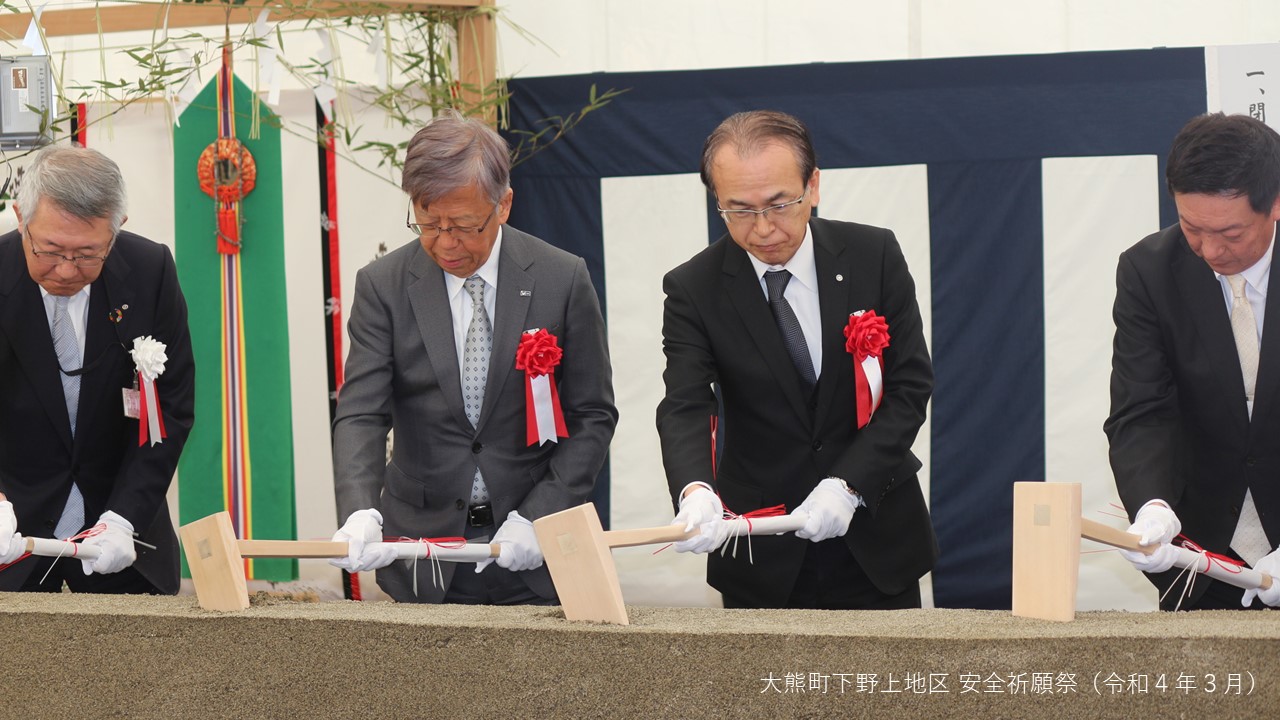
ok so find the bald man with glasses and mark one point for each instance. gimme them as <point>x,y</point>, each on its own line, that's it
<point>779,330</point>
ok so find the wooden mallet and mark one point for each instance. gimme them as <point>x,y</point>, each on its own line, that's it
<point>1047,528</point>
<point>576,549</point>
<point>216,557</point>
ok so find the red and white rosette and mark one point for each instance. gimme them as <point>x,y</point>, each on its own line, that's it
<point>866,337</point>
<point>148,360</point>
<point>538,355</point>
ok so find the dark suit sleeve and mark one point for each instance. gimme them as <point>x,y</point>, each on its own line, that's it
<point>1143,425</point>
<point>686,410</point>
<point>584,382</point>
<point>881,452</point>
<point>364,411</point>
<point>146,472</point>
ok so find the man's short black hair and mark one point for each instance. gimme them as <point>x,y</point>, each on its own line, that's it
<point>1235,155</point>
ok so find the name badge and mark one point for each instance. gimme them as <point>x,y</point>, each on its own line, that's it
<point>131,402</point>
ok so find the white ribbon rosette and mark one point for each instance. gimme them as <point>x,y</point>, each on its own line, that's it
<point>148,360</point>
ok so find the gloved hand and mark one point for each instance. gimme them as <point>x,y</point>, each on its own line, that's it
<point>116,543</point>
<point>1269,564</point>
<point>8,526</point>
<point>1157,562</point>
<point>365,550</point>
<point>520,549</point>
<point>830,506</point>
<point>703,510</point>
<point>1156,523</point>
<point>17,547</point>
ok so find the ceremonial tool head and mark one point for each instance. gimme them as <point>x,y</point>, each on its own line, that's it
<point>581,565</point>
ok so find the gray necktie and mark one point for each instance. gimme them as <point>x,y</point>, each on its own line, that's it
<point>475,369</point>
<point>792,335</point>
<point>1250,540</point>
<point>67,346</point>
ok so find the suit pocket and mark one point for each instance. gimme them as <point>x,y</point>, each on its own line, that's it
<point>404,488</point>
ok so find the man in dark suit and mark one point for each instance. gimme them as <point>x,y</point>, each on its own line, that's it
<point>436,330</point>
<point>75,292</point>
<point>774,343</point>
<point>1195,376</point>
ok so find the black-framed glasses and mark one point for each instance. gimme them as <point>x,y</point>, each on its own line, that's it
<point>458,232</point>
<point>748,217</point>
<point>47,257</point>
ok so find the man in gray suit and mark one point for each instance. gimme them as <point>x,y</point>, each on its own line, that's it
<point>435,331</point>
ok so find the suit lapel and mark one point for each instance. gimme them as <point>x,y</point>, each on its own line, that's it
<point>743,290</point>
<point>23,320</point>
<point>1268,385</point>
<point>113,289</point>
<point>515,292</point>
<point>429,301</point>
<point>833,300</point>
<point>1202,295</point>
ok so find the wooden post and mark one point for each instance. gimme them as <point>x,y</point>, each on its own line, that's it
<point>1046,549</point>
<point>574,548</point>
<point>217,568</point>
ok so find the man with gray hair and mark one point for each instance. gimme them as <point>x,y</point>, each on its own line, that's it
<point>75,292</point>
<point>484,348</point>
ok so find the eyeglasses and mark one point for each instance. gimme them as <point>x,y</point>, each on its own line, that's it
<point>459,232</point>
<point>45,257</point>
<point>748,217</point>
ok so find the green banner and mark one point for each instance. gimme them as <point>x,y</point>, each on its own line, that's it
<point>202,483</point>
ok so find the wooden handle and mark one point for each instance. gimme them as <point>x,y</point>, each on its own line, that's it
<point>291,548</point>
<point>674,533</point>
<point>1245,577</point>
<point>1114,537</point>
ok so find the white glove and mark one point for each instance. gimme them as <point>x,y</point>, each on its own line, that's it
<point>1156,523</point>
<point>116,543</point>
<point>1156,562</point>
<point>830,506</point>
<point>365,550</point>
<point>520,549</point>
<point>703,510</point>
<point>1269,564</point>
<point>8,526</point>
<point>17,547</point>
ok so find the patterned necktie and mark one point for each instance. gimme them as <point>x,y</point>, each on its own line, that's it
<point>792,335</point>
<point>1250,540</point>
<point>67,346</point>
<point>475,369</point>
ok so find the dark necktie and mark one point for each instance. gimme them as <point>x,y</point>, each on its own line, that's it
<point>776,281</point>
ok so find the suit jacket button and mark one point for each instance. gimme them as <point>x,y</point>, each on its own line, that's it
<point>1235,510</point>
<point>817,445</point>
<point>49,524</point>
<point>1250,461</point>
<point>476,447</point>
<point>460,505</point>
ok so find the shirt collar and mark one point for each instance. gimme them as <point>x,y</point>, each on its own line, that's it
<point>44,294</point>
<point>488,271</point>
<point>802,266</point>
<point>1258,275</point>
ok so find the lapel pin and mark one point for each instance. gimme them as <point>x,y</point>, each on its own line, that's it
<point>117,314</point>
<point>526,293</point>
<point>839,278</point>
